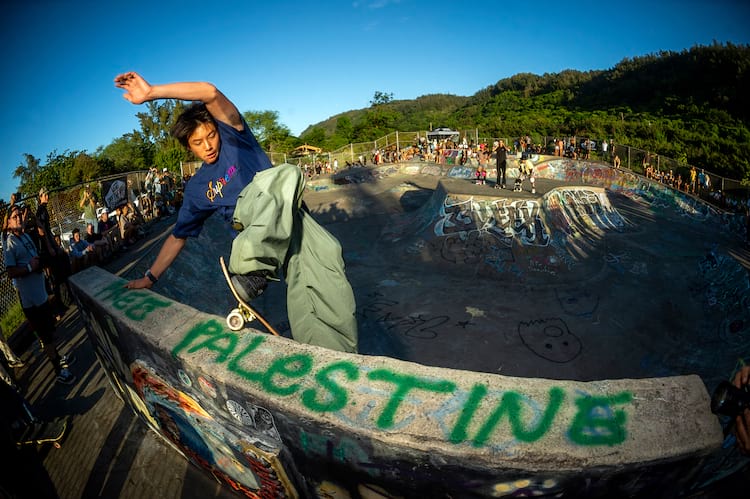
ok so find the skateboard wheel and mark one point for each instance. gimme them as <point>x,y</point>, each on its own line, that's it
<point>235,321</point>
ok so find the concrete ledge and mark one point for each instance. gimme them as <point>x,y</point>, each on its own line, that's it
<point>282,419</point>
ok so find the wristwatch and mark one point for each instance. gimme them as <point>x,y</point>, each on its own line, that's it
<point>151,276</point>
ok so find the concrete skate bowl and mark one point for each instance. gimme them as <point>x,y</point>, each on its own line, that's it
<point>560,343</point>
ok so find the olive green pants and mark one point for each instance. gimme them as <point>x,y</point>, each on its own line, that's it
<point>279,235</point>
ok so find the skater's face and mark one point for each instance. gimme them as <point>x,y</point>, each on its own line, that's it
<point>205,143</point>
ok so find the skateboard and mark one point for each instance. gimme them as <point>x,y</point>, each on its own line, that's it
<point>244,313</point>
<point>43,432</point>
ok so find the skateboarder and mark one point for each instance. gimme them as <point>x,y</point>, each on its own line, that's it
<point>238,182</point>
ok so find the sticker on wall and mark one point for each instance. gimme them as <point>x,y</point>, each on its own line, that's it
<point>240,414</point>
<point>184,378</point>
<point>207,387</point>
<point>263,422</point>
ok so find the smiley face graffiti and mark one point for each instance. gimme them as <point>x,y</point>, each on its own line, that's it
<point>550,339</point>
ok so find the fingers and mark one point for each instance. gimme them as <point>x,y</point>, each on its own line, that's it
<point>122,79</point>
<point>742,377</point>
<point>742,431</point>
<point>141,283</point>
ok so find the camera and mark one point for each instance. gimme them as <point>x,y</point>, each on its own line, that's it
<point>728,400</point>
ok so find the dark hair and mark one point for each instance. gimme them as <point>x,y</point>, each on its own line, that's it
<point>194,115</point>
<point>76,231</point>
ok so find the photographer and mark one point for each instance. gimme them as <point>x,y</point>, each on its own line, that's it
<point>742,421</point>
<point>25,268</point>
<point>88,205</point>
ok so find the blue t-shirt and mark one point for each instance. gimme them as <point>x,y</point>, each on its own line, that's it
<point>215,187</point>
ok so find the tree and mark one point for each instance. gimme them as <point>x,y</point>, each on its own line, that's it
<point>170,158</point>
<point>265,125</point>
<point>83,167</point>
<point>315,137</point>
<point>344,128</point>
<point>158,121</point>
<point>132,151</point>
<point>27,173</point>
<point>380,98</point>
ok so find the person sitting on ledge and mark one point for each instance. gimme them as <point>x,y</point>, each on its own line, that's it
<point>82,252</point>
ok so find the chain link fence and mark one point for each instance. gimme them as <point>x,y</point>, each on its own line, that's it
<point>66,214</point>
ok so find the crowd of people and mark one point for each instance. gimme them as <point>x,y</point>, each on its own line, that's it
<point>160,195</point>
<point>39,263</point>
<point>464,151</point>
<point>695,183</point>
<point>448,151</point>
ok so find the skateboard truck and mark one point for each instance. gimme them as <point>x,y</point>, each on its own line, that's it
<point>237,318</point>
<point>244,313</point>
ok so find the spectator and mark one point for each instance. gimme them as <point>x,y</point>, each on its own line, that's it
<point>59,243</point>
<point>109,229</point>
<point>501,151</point>
<point>616,161</point>
<point>101,245</point>
<point>81,251</point>
<point>105,223</point>
<point>148,183</point>
<point>126,220</point>
<point>586,146</point>
<point>693,179</point>
<point>53,258</point>
<point>167,189</point>
<point>88,204</point>
<point>157,184</point>
<point>24,267</point>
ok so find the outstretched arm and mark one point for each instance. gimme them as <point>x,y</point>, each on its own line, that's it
<point>169,251</point>
<point>138,91</point>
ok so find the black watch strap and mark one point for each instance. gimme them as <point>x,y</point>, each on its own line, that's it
<point>151,276</point>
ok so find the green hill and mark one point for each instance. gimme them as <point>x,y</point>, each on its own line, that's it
<point>691,105</point>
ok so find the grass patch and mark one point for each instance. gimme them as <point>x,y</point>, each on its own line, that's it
<point>12,319</point>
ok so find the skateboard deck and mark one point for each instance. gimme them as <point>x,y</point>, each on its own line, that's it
<point>244,313</point>
<point>43,432</point>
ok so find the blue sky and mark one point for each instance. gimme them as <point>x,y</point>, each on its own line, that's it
<point>306,60</point>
